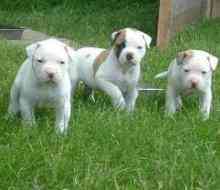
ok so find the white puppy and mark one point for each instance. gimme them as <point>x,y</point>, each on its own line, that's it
<point>44,78</point>
<point>115,71</point>
<point>190,71</point>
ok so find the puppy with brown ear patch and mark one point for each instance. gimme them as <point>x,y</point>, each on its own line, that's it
<point>191,71</point>
<point>115,71</point>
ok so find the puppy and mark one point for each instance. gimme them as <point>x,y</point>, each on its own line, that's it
<point>190,72</point>
<point>44,78</point>
<point>115,71</point>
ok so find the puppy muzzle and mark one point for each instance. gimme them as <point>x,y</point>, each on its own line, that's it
<point>50,74</point>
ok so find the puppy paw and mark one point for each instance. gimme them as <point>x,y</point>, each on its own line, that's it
<point>61,129</point>
<point>169,114</point>
<point>119,103</point>
<point>130,108</point>
<point>205,116</point>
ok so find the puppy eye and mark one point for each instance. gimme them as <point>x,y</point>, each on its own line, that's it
<point>40,60</point>
<point>140,47</point>
<point>186,70</point>
<point>204,72</point>
<point>62,62</point>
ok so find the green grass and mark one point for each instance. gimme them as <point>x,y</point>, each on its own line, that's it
<point>106,149</point>
<point>80,19</point>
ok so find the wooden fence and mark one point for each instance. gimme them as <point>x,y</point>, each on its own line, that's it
<point>175,14</point>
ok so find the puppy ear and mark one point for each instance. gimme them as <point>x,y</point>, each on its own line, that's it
<point>213,61</point>
<point>70,52</point>
<point>114,35</point>
<point>30,50</point>
<point>182,56</point>
<point>118,37</point>
<point>147,39</point>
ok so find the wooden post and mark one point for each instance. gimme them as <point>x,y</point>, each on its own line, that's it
<point>164,23</point>
<point>215,8</point>
<point>208,7</point>
<point>174,15</point>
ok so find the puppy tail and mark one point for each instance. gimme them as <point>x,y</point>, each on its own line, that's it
<point>161,75</point>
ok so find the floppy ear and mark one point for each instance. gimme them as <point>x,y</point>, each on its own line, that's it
<point>118,37</point>
<point>30,50</point>
<point>70,52</point>
<point>183,56</point>
<point>213,61</point>
<point>114,35</point>
<point>147,39</point>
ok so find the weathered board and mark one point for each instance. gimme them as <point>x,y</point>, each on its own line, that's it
<point>175,14</point>
<point>215,8</point>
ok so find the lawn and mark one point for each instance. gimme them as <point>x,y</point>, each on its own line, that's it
<point>90,22</point>
<point>107,149</point>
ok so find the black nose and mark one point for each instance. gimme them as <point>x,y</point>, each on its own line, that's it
<point>50,75</point>
<point>130,56</point>
<point>194,84</point>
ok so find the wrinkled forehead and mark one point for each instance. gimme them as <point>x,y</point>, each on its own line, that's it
<point>134,37</point>
<point>198,62</point>
<point>51,51</point>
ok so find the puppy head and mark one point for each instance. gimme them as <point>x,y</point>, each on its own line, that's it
<point>130,45</point>
<point>50,60</point>
<point>196,68</point>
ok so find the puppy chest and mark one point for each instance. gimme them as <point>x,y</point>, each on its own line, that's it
<point>47,96</point>
<point>126,82</point>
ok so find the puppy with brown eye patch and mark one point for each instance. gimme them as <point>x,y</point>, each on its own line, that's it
<point>115,71</point>
<point>191,71</point>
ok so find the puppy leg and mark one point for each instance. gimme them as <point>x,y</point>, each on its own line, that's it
<point>13,108</point>
<point>26,109</point>
<point>113,91</point>
<point>171,101</point>
<point>179,103</point>
<point>63,110</point>
<point>206,101</point>
<point>89,93</point>
<point>74,84</point>
<point>130,99</point>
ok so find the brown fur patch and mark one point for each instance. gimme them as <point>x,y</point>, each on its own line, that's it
<point>99,60</point>
<point>120,37</point>
<point>184,55</point>
<point>119,42</point>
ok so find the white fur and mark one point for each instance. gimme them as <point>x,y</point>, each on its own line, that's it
<point>117,77</point>
<point>44,78</point>
<point>192,74</point>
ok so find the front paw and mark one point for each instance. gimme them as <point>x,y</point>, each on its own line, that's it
<point>205,116</point>
<point>119,103</point>
<point>61,129</point>
<point>130,107</point>
<point>169,114</point>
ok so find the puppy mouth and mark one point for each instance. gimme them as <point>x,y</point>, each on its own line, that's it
<point>188,91</point>
<point>50,81</point>
<point>131,63</point>
<point>194,87</point>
